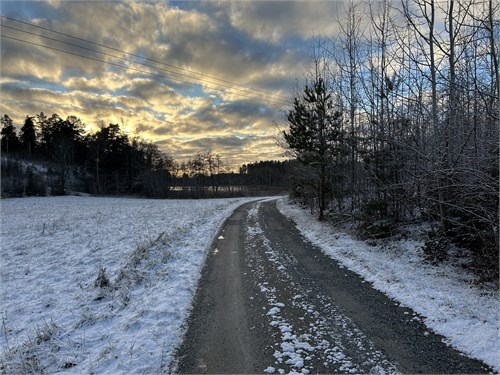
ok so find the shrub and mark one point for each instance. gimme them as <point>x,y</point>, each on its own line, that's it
<point>102,280</point>
<point>436,248</point>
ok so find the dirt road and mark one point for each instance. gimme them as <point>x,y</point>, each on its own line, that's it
<point>270,302</point>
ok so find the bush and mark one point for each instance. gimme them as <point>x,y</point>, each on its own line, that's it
<point>480,240</point>
<point>374,210</point>
<point>436,248</point>
<point>374,220</point>
<point>102,280</point>
<point>21,179</point>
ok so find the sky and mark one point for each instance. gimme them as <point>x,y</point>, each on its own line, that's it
<point>191,76</point>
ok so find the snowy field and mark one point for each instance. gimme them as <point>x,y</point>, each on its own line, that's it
<point>100,285</point>
<point>466,315</point>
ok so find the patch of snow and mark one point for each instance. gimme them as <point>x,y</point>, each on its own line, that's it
<point>299,345</point>
<point>467,316</point>
<point>273,311</point>
<point>100,285</point>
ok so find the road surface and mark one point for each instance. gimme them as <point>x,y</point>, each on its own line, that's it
<point>268,301</point>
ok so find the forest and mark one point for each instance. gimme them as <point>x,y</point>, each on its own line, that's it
<point>53,156</point>
<point>398,122</point>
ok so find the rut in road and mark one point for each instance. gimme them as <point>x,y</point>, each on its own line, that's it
<point>270,302</point>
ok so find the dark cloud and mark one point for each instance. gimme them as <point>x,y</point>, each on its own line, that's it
<point>206,115</point>
<point>149,89</point>
<point>244,109</point>
<point>210,143</point>
<point>160,130</point>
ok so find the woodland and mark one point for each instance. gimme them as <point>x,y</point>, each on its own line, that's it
<point>54,156</point>
<point>398,122</point>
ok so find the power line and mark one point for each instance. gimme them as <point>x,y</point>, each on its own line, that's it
<point>141,57</point>
<point>119,65</point>
<point>124,59</point>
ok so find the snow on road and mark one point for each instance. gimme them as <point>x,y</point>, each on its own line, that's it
<point>467,316</point>
<point>298,348</point>
<point>59,316</point>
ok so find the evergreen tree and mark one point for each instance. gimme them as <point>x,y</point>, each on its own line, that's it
<point>10,142</point>
<point>315,134</point>
<point>27,136</point>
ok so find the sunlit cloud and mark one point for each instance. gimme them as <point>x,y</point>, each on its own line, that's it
<point>196,76</point>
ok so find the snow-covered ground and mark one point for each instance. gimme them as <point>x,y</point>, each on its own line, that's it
<point>59,316</point>
<point>466,315</point>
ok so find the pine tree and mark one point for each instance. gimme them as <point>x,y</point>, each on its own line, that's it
<point>28,136</point>
<point>315,134</point>
<point>10,141</point>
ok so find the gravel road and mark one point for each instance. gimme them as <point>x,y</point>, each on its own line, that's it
<point>269,301</point>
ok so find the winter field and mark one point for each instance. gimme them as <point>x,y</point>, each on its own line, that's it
<point>444,297</point>
<point>102,285</point>
<point>61,312</point>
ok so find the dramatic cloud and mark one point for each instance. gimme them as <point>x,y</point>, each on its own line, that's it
<point>191,76</point>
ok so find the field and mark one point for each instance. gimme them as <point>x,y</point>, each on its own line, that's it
<point>100,284</point>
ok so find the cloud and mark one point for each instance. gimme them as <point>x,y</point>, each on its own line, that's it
<point>221,143</point>
<point>278,21</point>
<point>261,45</point>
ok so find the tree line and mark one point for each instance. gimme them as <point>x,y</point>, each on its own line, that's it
<point>399,122</point>
<point>110,162</point>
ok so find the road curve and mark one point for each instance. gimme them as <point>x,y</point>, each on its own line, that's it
<point>270,301</point>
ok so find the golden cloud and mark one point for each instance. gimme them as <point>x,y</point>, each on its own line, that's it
<point>184,113</point>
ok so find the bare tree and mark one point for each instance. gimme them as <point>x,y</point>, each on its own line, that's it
<point>345,50</point>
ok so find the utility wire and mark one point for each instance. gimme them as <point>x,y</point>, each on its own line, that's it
<point>141,57</point>
<point>126,60</point>
<point>120,65</point>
